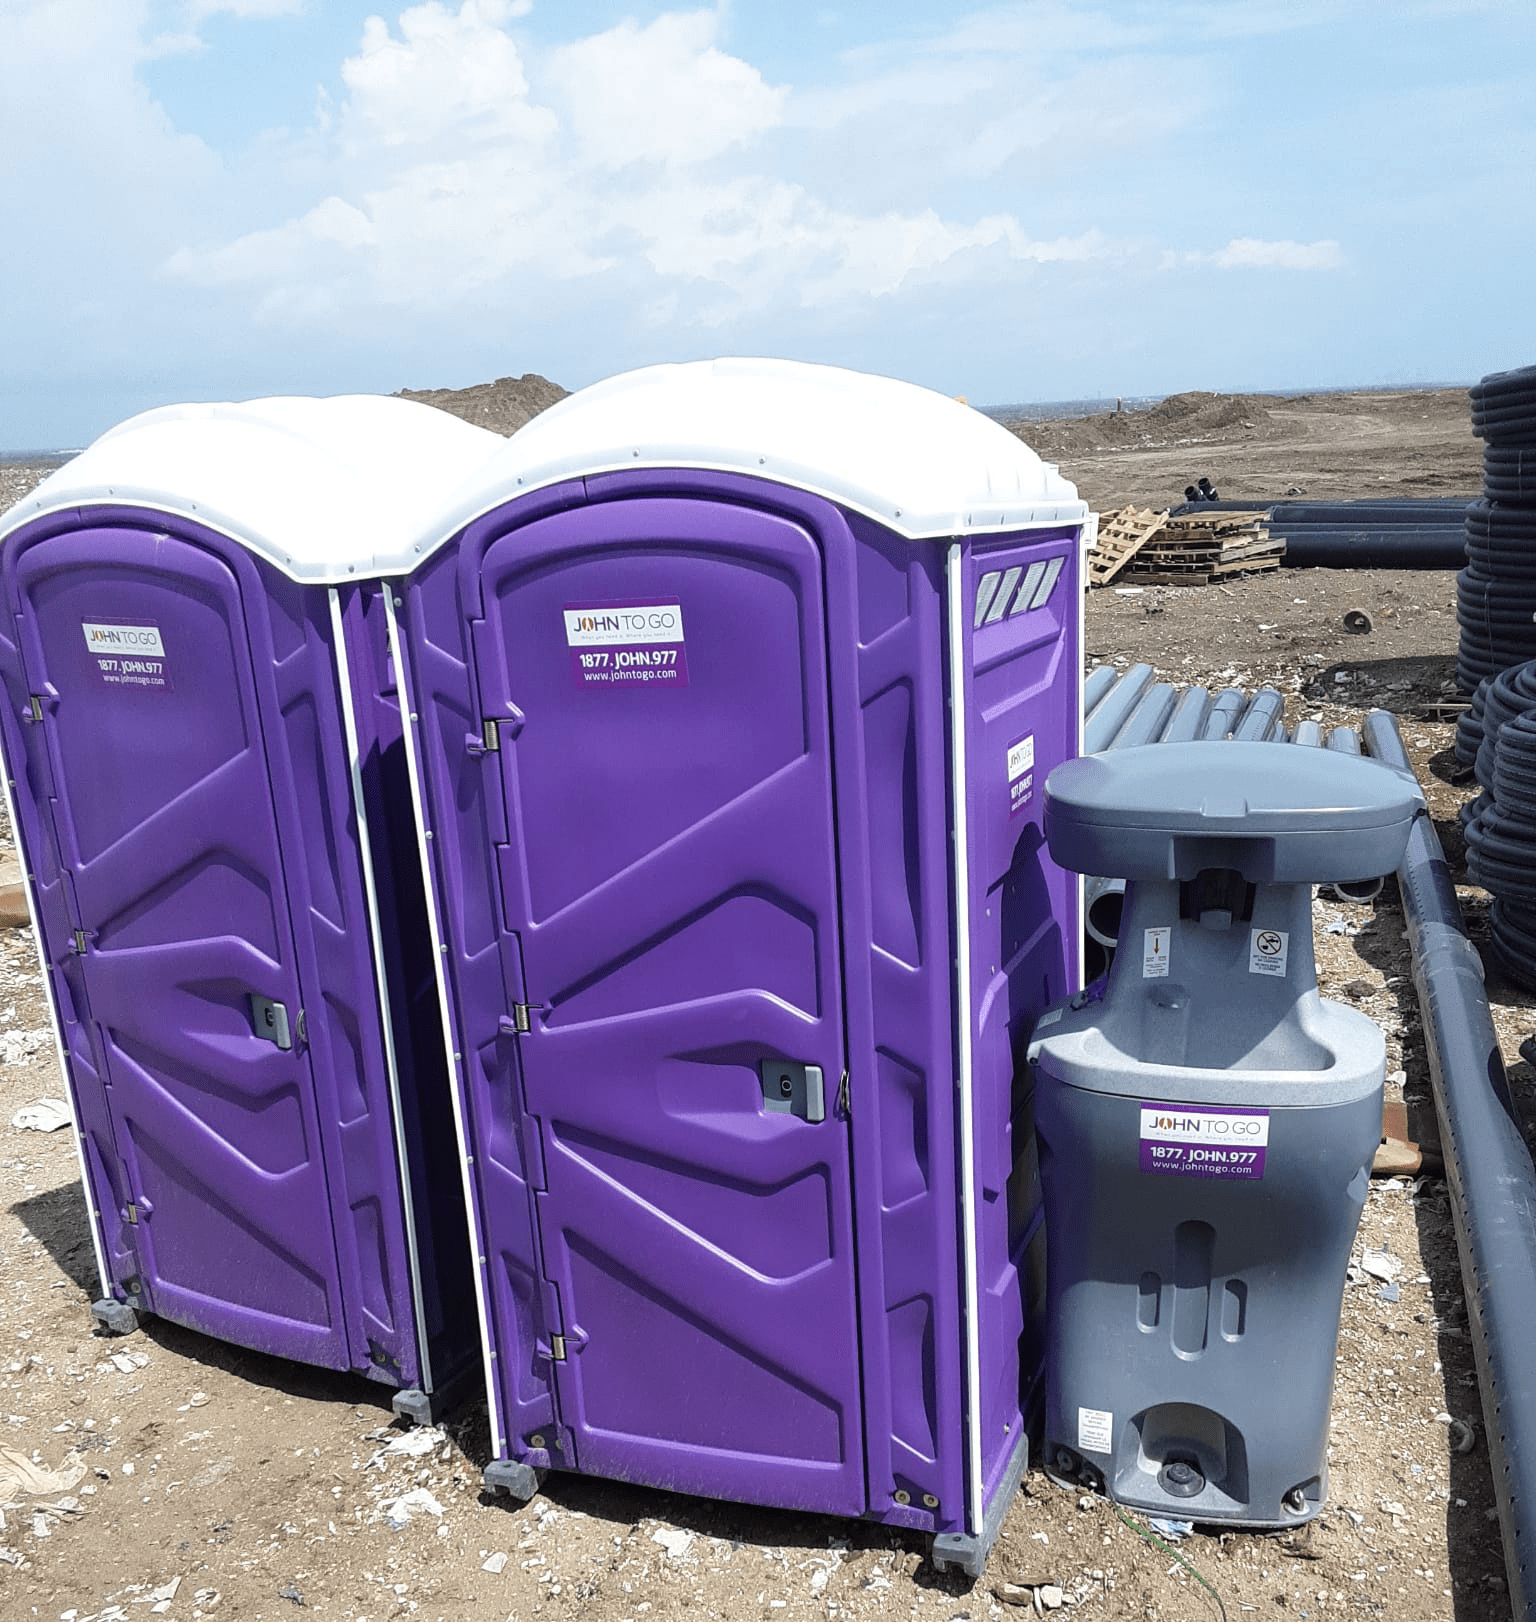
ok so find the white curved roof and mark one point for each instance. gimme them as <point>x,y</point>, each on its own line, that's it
<point>920,463</point>
<point>327,489</point>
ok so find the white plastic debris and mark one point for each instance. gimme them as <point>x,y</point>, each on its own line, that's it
<point>1173,1531</point>
<point>495,1564</point>
<point>18,1046</point>
<point>19,1477</point>
<point>400,1512</point>
<point>46,1115</point>
<point>415,1444</point>
<point>674,1540</point>
<point>1381,1264</point>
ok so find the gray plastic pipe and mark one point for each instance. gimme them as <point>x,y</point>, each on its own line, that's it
<point>1106,718</point>
<point>1488,1168</point>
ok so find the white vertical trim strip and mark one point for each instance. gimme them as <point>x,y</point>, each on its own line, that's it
<point>66,1075</point>
<point>471,1209</point>
<point>955,580</point>
<point>1087,538</point>
<point>376,944</point>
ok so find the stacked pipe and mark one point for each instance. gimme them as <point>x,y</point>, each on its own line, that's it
<point>1488,1166</point>
<point>1500,824</point>
<point>1496,591</point>
<point>1402,533</point>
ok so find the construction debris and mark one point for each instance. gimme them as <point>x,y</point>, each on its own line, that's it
<point>1191,549</point>
<point>1122,534</point>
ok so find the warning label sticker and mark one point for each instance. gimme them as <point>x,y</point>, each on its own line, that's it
<point>128,655</point>
<point>1095,1430</point>
<point>1154,953</point>
<point>627,645</point>
<point>1204,1142</point>
<point>1021,774</point>
<point>1268,950</point>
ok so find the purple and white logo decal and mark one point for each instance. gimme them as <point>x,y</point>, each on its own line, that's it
<point>627,645</point>
<point>1204,1142</point>
<point>1021,774</point>
<point>128,655</point>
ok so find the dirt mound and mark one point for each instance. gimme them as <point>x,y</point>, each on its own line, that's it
<point>503,406</point>
<point>1181,419</point>
<point>1183,415</point>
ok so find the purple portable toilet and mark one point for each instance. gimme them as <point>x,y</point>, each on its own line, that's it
<point>202,737</point>
<point>741,935</point>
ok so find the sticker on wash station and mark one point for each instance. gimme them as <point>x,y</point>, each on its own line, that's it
<point>1095,1430</point>
<point>1154,953</point>
<point>1204,1141</point>
<point>128,655</point>
<point>1021,774</point>
<point>627,645</point>
<point>1268,951</point>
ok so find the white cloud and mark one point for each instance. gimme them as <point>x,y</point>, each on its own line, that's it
<point>179,35</point>
<point>1254,253</point>
<point>662,93</point>
<point>451,82</point>
<point>200,10</point>
<point>1250,253</point>
<point>643,154</point>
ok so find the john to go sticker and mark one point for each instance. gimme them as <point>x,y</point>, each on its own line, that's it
<point>128,655</point>
<point>627,645</point>
<point>1204,1141</point>
<point>1021,774</point>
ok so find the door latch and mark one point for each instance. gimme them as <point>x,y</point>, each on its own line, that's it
<point>793,1089</point>
<point>487,741</point>
<point>269,1020</point>
<point>518,1023</point>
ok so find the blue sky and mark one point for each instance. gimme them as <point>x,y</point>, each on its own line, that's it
<point>216,199</point>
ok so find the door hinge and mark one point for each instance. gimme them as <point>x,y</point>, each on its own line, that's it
<point>518,1023</point>
<point>34,708</point>
<point>557,1348</point>
<point>79,942</point>
<point>133,1214</point>
<point>842,1096</point>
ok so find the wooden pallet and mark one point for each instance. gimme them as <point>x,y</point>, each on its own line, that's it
<point>1202,574</point>
<point>1122,534</point>
<point>1196,548</point>
<point>1215,553</point>
<point>1224,518</point>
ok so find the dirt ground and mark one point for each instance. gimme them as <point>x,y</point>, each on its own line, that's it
<point>193,1479</point>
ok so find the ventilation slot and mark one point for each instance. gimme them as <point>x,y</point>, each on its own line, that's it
<point>1004,595</point>
<point>986,589</point>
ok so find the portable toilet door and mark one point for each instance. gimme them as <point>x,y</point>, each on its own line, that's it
<point>680,671</point>
<point>185,762</point>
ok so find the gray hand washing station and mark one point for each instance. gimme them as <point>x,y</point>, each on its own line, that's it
<point>1206,1129</point>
